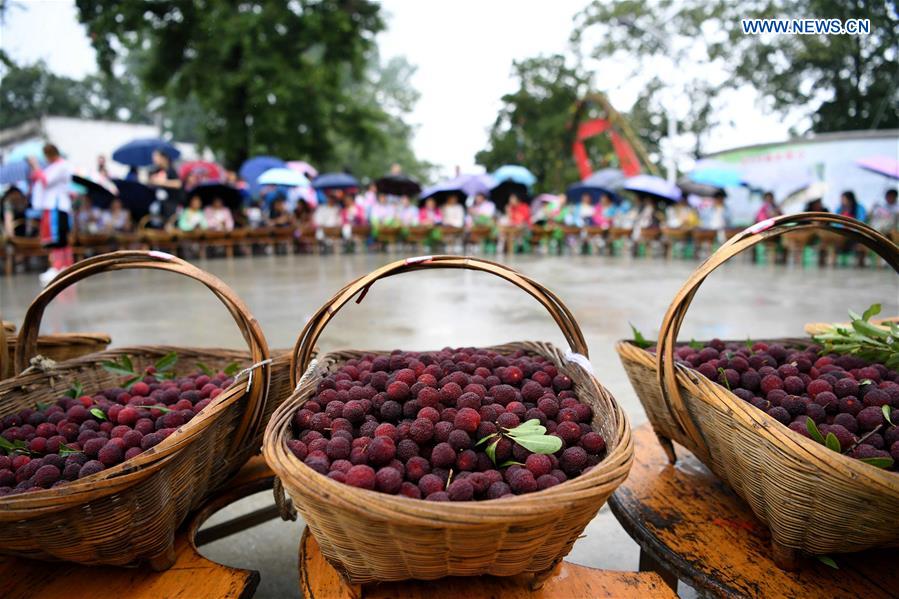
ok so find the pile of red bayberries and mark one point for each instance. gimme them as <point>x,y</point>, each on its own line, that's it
<point>76,437</point>
<point>843,394</point>
<point>410,423</point>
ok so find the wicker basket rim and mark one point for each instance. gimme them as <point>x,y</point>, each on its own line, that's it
<point>736,405</point>
<point>618,457</point>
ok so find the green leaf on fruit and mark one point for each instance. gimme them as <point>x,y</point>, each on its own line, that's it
<point>127,363</point>
<point>65,450</point>
<point>205,369</point>
<point>864,382</point>
<point>882,462</point>
<point>6,444</point>
<point>529,428</point>
<point>508,463</point>
<point>75,391</point>
<point>546,444</point>
<point>828,561</point>
<point>98,413</point>
<point>130,382</point>
<point>232,369</point>
<point>639,340</point>
<point>832,443</point>
<point>813,431</point>
<point>722,376</point>
<point>749,343</point>
<point>117,368</point>
<point>694,344</point>
<point>887,412</point>
<point>41,406</point>
<point>165,376</point>
<point>487,438</point>
<point>162,409</point>
<point>166,362</point>
<point>491,450</point>
<point>873,310</point>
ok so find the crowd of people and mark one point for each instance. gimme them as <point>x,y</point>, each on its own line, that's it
<point>54,209</point>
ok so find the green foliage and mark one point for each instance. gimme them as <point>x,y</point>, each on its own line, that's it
<point>535,124</point>
<point>530,434</point>
<point>863,339</point>
<point>266,77</point>
<point>844,82</point>
<point>639,340</point>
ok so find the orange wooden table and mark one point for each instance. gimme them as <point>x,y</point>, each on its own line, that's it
<point>319,580</point>
<point>191,577</point>
<point>691,526</point>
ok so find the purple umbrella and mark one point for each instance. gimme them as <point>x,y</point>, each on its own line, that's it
<point>465,185</point>
<point>882,165</point>
<point>653,186</point>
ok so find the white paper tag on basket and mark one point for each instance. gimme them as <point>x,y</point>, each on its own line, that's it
<point>761,226</point>
<point>417,259</point>
<point>581,360</point>
<point>161,255</point>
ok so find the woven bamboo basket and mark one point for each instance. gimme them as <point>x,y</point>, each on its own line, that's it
<point>57,347</point>
<point>371,536</point>
<point>129,513</point>
<point>814,500</point>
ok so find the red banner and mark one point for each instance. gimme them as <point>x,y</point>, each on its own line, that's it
<point>627,159</point>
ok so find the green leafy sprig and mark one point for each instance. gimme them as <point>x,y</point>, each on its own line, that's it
<point>832,443</point>
<point>75,391</point>
<point>639,340</point>
<point>530,434</point>
<point>864,339</point>
<point>125,367</point>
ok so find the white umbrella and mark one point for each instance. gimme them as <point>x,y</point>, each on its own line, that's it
<point>283,176</point>
<point>654,186</point>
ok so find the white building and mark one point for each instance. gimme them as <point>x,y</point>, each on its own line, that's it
<point>826,157</point>
<point>81,141</point>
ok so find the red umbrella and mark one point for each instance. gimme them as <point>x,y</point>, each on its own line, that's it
<point>205,171</point>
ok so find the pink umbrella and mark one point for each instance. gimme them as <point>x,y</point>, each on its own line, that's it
<point>882,165</point>
<point>303,167</point>
<point>206,171</point>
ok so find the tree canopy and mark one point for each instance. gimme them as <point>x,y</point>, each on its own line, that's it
<point>268,77</point>
<point>534,125</point>
<point>840,82</point>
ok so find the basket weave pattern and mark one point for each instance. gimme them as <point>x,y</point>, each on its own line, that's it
<point>370,536</point>
<point>129,513</point>
<point>814,500</point>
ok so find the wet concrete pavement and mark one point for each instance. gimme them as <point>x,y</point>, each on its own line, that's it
<point>431,309</point>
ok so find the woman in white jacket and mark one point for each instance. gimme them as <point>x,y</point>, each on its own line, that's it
<point>50,194</point>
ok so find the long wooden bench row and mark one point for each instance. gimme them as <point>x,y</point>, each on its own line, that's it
<point>16,250</point>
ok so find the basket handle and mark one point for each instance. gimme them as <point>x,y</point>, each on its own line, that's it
<point>4,351</point>
<point>304,348</point>
<point>762,231</point>
<point>132,259</point>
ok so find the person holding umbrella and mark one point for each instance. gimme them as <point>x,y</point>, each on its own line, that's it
<point>50,194</point>
<point>218,216</point>
<point>453,212</point>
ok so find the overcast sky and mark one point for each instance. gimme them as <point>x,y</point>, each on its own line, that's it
<point>463,50</point>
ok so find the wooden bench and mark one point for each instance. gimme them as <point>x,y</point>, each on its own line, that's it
<point>192,575</point>
<point>691,526</point>
<point>319,580</point>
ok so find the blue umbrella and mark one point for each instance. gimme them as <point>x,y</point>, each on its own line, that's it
<point>139,152</point>
<point>255,166</point>
<point>513,173</point>
<point>717,176</point>
<point>653,186</point>
<point>27,149</point>
<point>283,176</point>
<point>335,181</point>
<point>604,181</point>
<point>14,172</point>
